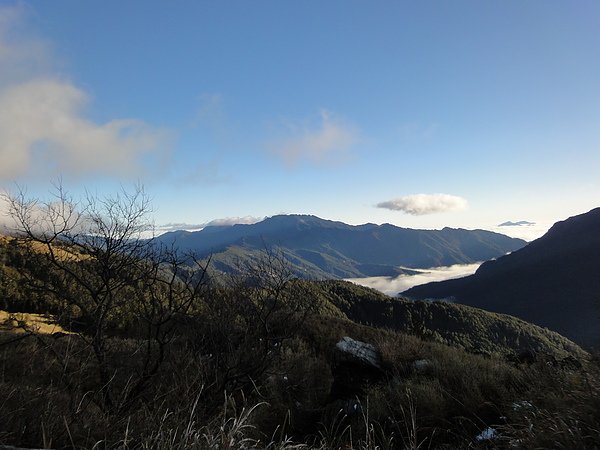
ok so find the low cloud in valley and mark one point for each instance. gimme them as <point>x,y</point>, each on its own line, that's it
<point>394,286</point>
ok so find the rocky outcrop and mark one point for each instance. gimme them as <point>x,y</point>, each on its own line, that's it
<point>349,351</point>
<point>356,365</point>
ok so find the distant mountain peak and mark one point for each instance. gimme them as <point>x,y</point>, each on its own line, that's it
<point>520,223</point>
<point>319,248</point>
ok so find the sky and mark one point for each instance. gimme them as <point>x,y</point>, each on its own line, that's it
<point>420,114</point>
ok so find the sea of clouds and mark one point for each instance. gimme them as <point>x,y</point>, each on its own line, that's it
<point>393,286</point>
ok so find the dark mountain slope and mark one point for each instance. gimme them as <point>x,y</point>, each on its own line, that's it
<point>553,282</point>
<point>321,248</point>
<point>471,329</point>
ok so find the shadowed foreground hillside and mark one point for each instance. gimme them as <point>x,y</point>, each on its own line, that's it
<point>259,363</point>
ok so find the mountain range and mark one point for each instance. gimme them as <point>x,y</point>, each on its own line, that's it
<point>520,223</point>
<point>553,282</point>
<point>318,248</point>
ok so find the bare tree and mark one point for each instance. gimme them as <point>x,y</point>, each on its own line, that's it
<point>98,258</point>
<point>251,316</point>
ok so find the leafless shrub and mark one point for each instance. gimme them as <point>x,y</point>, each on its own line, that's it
<point>94,258</point>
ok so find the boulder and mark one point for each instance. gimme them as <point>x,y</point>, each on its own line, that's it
<point>356,352</point>
<point>356,364</point>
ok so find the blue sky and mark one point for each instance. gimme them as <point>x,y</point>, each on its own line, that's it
<point>249,109</point>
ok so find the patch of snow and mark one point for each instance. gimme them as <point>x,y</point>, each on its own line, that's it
<point>488,434</point>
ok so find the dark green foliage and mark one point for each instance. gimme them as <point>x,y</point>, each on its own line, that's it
<point>443,407</point>
<point>17,268</point>
<point>471,329</point>
<point>253,366</point>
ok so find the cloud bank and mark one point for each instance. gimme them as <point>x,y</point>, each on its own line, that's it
<point>224,222</point>
<point>42,123</point>
<point>423,204</point>
<point>394,286</point>
<point>228,221</point>
<point>326,143</point>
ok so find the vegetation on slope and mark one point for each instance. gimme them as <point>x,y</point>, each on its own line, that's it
<point>49,385</point>
<point>471,329</point>
<point>159,358</point>
<point>283,397</point>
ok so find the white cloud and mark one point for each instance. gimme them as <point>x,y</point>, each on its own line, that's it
<point>6,222</point>
<point>394,286</point>
<point>41,127</point>
<point>327,142</point>
<point>179,226</point>
<point>21,52</point>
<point>42,123</point>
<point>226,221</point>
<point>423,204</point>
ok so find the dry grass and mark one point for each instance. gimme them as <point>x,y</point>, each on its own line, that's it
<point>29,322</point>
<point>63,253</point>
<point>289,408</point>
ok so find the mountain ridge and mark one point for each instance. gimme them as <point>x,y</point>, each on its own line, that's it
<point>520,223</point>
<point>552,282</point>
<point>320,248</point>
